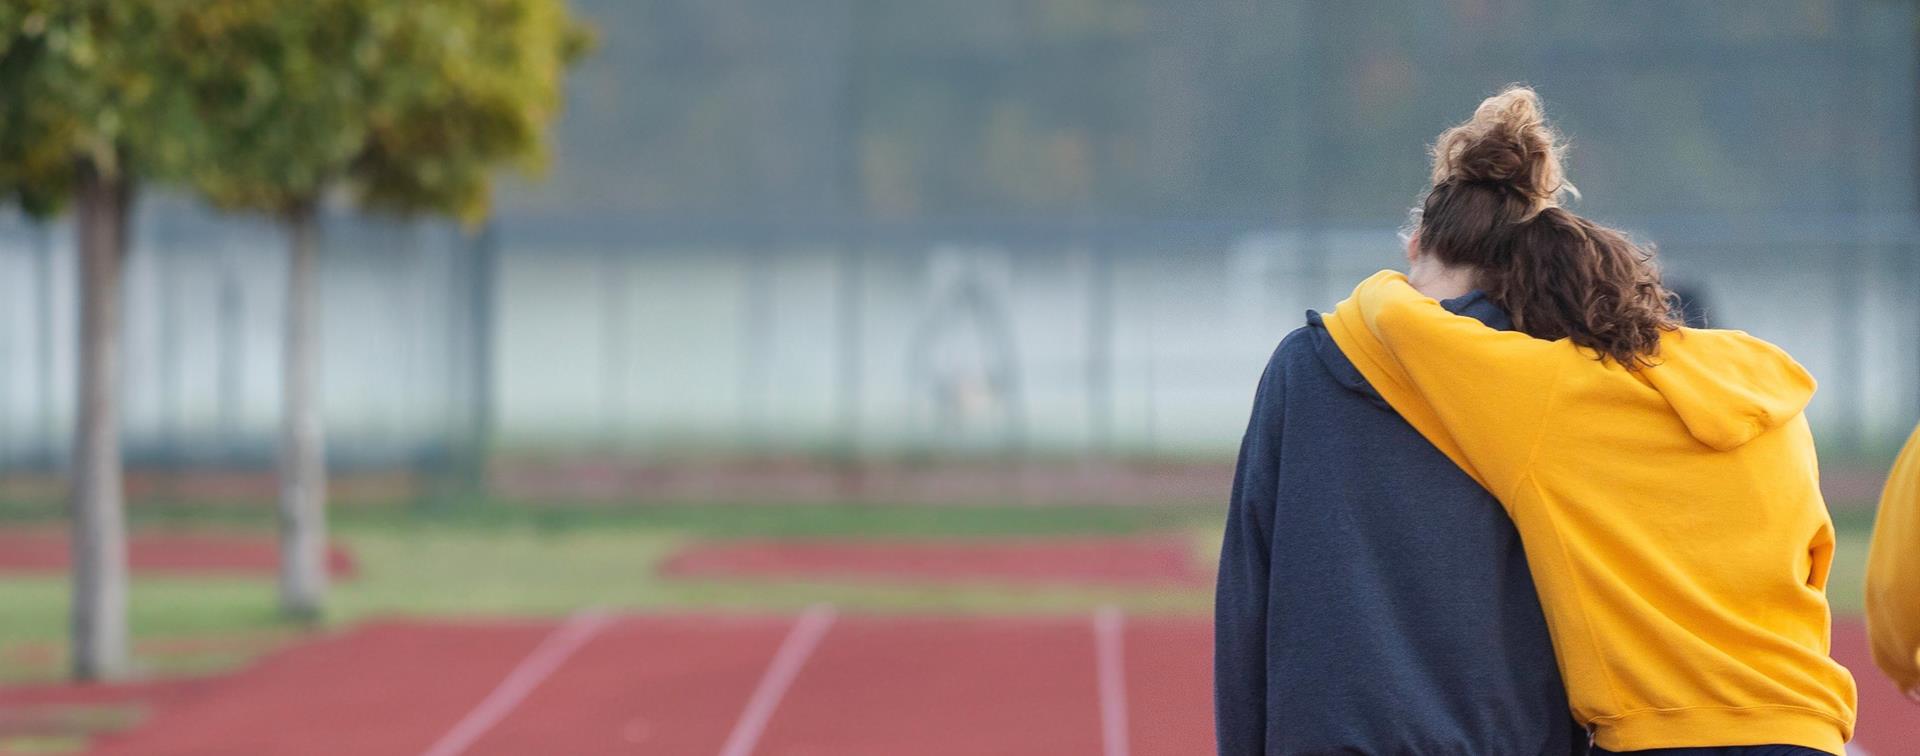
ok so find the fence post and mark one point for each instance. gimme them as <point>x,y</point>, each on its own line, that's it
<point>473,443</point>
<point>1099,349</point>
<point>852,345</point>
<point>43,315</point>
<point>616,338</point>
<point>756,343</point>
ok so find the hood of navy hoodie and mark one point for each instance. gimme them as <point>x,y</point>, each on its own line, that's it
<point>1473,304</point>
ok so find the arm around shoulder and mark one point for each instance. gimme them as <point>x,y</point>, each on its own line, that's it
<point>1478,393</point>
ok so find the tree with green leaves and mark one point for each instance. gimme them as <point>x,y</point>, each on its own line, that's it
<point>85,119</point>
<point>409,107</point>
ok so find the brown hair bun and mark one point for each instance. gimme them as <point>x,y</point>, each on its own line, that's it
<point>1507,142</point>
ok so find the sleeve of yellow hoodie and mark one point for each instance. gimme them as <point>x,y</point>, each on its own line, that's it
<point>1465,374</point>
<point>1893,573</point>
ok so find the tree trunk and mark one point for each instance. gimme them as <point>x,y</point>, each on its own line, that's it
<point>303,469</point>
<point>482,307</point>
<point>99,608</point>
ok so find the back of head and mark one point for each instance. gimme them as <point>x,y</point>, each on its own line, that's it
<point>1495,207</point>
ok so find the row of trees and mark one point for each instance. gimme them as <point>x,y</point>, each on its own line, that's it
<point>275,107</point>
<point>1234,110</point>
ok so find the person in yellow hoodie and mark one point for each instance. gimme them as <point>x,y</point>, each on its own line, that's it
<point>1663,479</point>
<point>1893,574</point>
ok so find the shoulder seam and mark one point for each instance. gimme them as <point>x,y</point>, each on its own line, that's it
<point>1540,429</point>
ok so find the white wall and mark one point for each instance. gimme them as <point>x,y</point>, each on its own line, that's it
<point>690,349</point>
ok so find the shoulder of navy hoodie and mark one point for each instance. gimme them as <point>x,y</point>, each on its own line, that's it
<point>1474,304</point>
<point>1329,401</point>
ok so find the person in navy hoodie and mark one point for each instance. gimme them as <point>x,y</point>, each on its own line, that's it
<point>1372,598</point>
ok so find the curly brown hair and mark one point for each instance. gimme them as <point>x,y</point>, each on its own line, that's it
<point>1495,207</point>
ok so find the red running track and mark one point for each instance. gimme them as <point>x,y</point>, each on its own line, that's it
<point>944,687</point>
<point>818,685</point>
<point>388,688</point>
<point>1888,722</point>
<point>643,685</point>
<point>705,685</point>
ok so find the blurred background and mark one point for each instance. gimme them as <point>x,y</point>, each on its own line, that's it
<point>1036,229</point>
<point>855,304</point>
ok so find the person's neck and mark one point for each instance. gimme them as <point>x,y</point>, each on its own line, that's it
<point>1440,281</point>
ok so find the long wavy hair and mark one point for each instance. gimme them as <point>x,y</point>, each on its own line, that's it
<point>1495,207</point>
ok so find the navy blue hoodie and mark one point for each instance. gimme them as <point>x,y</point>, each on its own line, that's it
<point>1372,599</point>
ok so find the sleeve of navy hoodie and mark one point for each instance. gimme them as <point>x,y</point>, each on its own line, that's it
<point>1240,602</point>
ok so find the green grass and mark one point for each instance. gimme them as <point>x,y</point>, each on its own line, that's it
<point>796,520</point>
<point>181,625</point>
<point>1846,584</point>
<point>500,559</point>
<point>527,572</point>
<point>35,745</point>
<point>62,728</point>
<point>503,559</point>
<point>712,519</point>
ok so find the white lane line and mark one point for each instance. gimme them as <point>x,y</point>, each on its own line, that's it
<point>1109,649</point>
<point>552,652</point>
<point>1854,750</point>
<point>799,644</point>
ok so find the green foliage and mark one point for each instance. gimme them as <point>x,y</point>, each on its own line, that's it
<point>266,104</point>
<point>80,90</point>
<point>409,104</point>
<point>280,90</point>
<point>475,84</point>
<point>1242,111</point>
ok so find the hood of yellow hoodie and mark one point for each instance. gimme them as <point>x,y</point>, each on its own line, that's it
<point>1727,386</point>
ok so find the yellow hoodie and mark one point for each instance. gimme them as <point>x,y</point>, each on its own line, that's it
<point>1893,572</point>
<point>1671,516</point>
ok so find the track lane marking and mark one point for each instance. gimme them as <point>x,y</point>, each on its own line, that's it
<point>794,651</point>
<point>1109,650</point>
<point>553,651</point>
